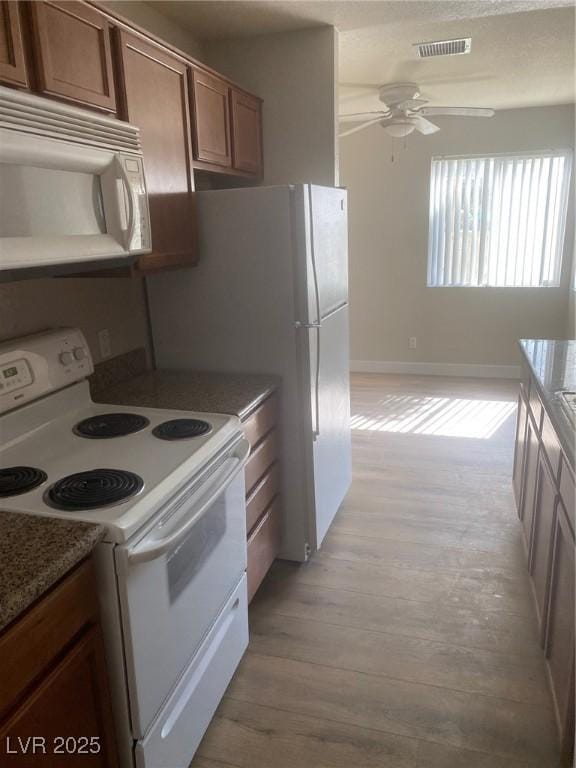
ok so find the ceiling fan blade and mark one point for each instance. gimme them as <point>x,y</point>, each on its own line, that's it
<point>357,128</point>
<point>355,117</point>
<point>412,104</point>
<point>457,111</point>
<point>424,126</point>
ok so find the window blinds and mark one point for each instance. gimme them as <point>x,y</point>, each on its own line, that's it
<point>498,220</point>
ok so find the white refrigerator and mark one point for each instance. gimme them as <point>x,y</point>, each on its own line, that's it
<point>270,295</point>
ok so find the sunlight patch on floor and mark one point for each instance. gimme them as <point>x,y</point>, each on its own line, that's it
<point>441,416</point>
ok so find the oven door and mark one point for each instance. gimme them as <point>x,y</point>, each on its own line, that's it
<point>174,582</point>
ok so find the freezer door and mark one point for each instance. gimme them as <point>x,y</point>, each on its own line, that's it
<point>326,265</point>
<point>330,408</point>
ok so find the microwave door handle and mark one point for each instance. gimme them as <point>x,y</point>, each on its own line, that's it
<point>124,193</point>
<point>151,548</point>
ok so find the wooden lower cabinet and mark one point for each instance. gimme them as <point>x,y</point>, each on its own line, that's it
<point>544,496</point>
<point>529,478</point>
<point>559,638</point>
<point>544,511</point>
<point>54,684</point>
<point>520,447</point>
<point>69,710</point>
<point>263,501</point>
<point>263,546</point>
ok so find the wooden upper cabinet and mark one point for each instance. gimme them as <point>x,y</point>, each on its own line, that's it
<point>246,132</point>
<point>154,89</point>
<point>211,119</point>
<point>72,53</point>
<point>12,60</point>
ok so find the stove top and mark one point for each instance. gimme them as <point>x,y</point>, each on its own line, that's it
<point>48,467</point>
<point>108,425</point>
<point>93,489</point>
<point>182,429</point>
<point>17,480</point>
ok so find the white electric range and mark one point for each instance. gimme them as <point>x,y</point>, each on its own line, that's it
<point>167,486</point>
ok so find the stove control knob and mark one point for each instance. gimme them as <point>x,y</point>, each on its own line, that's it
<point>79,353</point>
<point>66,358</point>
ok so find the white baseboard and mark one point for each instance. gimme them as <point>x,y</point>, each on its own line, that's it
<point>470,370</point>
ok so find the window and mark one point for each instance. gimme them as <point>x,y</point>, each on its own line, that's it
<point>498,220</point>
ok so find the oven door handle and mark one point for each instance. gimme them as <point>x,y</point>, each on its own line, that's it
<point>152,546</point>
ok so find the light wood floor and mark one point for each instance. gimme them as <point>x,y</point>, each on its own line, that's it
<point>409,640</point>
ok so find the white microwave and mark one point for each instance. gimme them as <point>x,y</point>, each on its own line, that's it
<point>72,185</point>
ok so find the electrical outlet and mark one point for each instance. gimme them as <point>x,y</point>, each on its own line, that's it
<point>412,342</point>
<point>104,343</point>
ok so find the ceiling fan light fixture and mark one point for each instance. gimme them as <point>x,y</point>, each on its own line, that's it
<point>400,127</point>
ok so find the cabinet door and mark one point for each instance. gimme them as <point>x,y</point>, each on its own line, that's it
<point>519,449</point>
<point>211,119</point>
<point>529,482</point>
<point>542,531</point>
<point>246,133</point>
<point>12,61</point>
<point>155,98</point>
<point>559,641</point>
<point>71,702</point>
<point>72,53</point>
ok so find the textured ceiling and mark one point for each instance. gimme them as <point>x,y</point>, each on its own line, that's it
<point>522,51</point>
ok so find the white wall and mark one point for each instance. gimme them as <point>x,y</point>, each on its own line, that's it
<point>388,205</point>
<point>295,73</point>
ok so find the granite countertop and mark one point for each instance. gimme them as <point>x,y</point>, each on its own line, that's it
<point>235,393</point>
<point>35,552</point>
<point>553,364</point>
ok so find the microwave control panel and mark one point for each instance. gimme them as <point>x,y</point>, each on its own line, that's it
<point>141,238</point>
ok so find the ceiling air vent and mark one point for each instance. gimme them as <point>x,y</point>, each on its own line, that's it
<point>444,47</point>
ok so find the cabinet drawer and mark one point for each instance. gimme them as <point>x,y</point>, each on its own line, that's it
<point>567,491</point>
<point>36,639</point>
<point>261,421</point>
<point>263,546</point>
<point>261,496</point>
<point>262,457</point>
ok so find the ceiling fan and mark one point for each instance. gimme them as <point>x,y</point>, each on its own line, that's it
<point>405,111</point>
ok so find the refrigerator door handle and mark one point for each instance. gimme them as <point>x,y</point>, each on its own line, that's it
<point>316,433</point>
<point>316,327</point>
<point>313,259</point>
<point>298,324</point>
